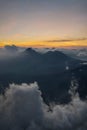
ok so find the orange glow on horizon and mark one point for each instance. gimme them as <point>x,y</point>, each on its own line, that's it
<point>44,44</point>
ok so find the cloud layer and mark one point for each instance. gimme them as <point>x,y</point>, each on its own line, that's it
<point>67,40</point>
<point>22,108</point>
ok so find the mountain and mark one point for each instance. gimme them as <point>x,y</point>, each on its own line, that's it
<point>81,75</point>
<point>12,48</point>
<point>76,53</point>
<point>50,62</point>
<point>52,70</point>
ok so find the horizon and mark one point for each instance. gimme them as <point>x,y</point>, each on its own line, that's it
<point>58,43</point>
<point>45,47</point>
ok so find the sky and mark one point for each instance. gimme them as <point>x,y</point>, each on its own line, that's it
<point>43,23</point>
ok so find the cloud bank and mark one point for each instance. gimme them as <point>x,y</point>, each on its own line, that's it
<point>22,108</point>
<point>10,51</point>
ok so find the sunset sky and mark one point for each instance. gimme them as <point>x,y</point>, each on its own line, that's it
<point>43,23</point>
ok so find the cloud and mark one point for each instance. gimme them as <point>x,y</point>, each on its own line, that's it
<point>11,48</point>
<point>67,40</point>
<point>10,51</point>
<point>22,108</point>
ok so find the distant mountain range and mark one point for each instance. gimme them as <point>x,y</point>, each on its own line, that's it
<point>76,53</point>
<point>12,48</point>
<point>52,70</point>
<point>30,62</point>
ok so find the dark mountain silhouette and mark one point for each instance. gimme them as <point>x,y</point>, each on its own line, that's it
<point>12,48</point>
<point>48,69</point>
<point>81,75</point>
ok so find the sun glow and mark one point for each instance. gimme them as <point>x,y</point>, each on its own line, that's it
<point>49,44</point>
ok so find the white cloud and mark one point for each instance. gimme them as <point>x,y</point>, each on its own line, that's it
<point>22,108</point>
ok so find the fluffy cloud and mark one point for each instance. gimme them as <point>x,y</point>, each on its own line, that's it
<point>22,108</point>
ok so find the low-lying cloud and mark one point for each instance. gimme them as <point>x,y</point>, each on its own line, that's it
<point>10,51</point>
<point>22,108</point>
